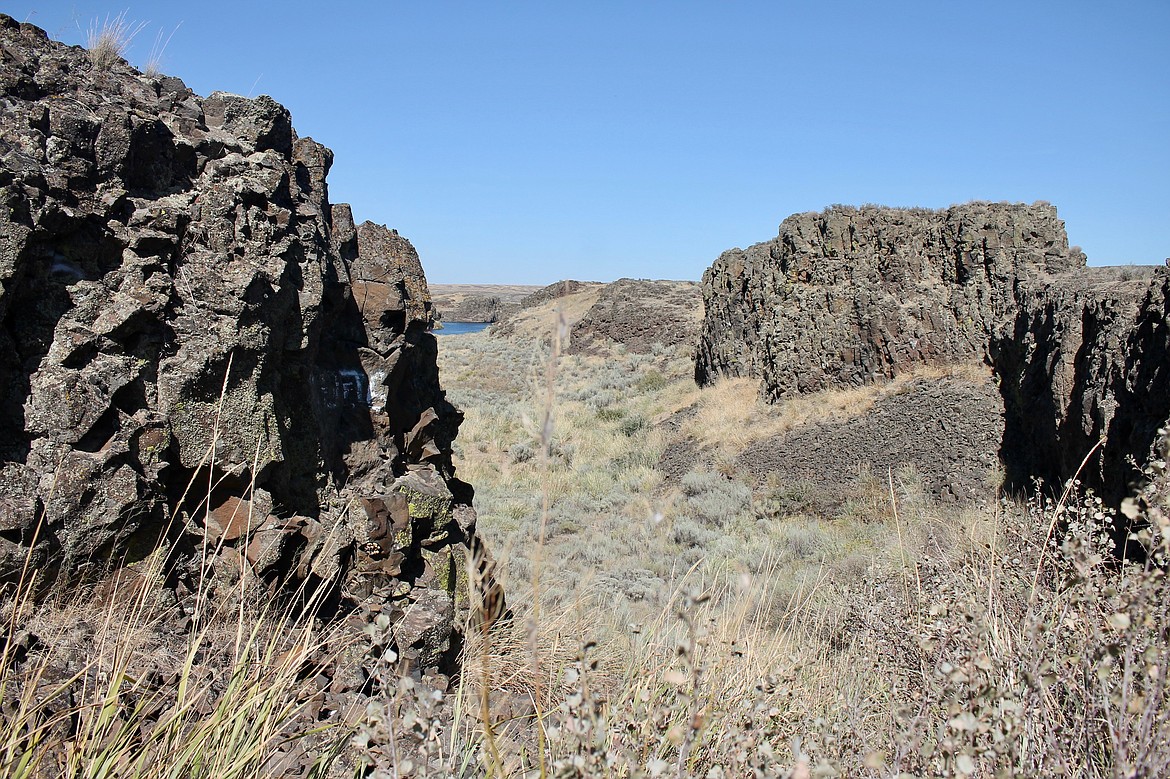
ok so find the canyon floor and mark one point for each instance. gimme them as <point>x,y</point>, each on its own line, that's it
<point>694,571</point>
<point>817,516</point>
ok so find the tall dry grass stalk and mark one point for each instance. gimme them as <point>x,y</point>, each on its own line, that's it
<point>107,688</point>
<point>110,684</point>
<point>108,39</point>
<point>153,65</point>
<point>560,333</point>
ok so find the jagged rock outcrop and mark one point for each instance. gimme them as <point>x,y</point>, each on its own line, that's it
<point>558,289</point>
<point>388,280</point>
<point>851,296</point>
<point>486,310</point>
<point>639,314</point>
<point>538,301</point>
<point>479,303</point>
<point>1085,358</point>
<point>477,309</point>
<point>197,348</point>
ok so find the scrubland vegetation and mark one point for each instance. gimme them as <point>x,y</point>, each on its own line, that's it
<point>116,685</point>
<point>707,625</point>
<point>664,624</point>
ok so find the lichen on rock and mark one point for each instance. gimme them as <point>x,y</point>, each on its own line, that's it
<point>197,346</point>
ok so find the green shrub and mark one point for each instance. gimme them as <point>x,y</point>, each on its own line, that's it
<point>632,425</point>
<point>610,413</point>
<point>651,381</point>
<point>715,498</point>
<point>521,453</point>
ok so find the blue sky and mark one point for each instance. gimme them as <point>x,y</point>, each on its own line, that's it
<point>524,142</point>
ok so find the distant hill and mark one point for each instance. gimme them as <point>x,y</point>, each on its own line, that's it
<point>477,302</point>
<point>636,314</point>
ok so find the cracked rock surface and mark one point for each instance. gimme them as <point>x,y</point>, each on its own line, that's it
<point>851,296</point>
<point>197,347</point>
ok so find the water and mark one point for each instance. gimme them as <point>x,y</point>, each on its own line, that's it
<point>461,328</point>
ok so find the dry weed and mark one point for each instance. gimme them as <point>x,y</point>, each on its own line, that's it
<point>713,631</point>
<point>108,39</point>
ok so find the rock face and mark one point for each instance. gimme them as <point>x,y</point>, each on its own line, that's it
<point>388,280</point>
<point>1085,358</point>
<point>475,309</point>
<point>483,303</point>
<point>851,296</point>
<point>196,348</point>
<point>540,303</point>
<point>558,289</point>
<point>639,314</point>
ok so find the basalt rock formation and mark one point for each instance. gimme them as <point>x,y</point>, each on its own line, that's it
<point>481,303</point>
<point>558,289</point>
<point>540,303</point>
<point>387,273</point>
<point>856,295</point>
<point>198,350</point>
<point>487,310</point>
<point>639,314</point>
<point>947,428</point>
<point>1085,359</point>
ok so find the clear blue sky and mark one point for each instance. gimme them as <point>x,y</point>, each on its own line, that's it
<point>524,142</point>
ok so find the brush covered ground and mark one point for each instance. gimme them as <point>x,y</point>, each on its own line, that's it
<point>707,585</point>
<point>698,587</point>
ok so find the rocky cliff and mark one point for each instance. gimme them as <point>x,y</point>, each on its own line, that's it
<point>1085,358</point>
<point>487,310</point>
<point>639,314</point>
<point>197,350</point>
<point>856,295</point>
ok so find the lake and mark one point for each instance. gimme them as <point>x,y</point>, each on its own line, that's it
<point>461,328</point>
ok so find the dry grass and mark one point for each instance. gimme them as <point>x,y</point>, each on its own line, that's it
<point>692,631</point>
<point>108,39</point>
<point>153,65</point>
<point>699,631</point>
<point>538,322</point>
<point>936,659</point>
<point>732,415</point>
<point>609,516</point>
<point>109,688</point>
